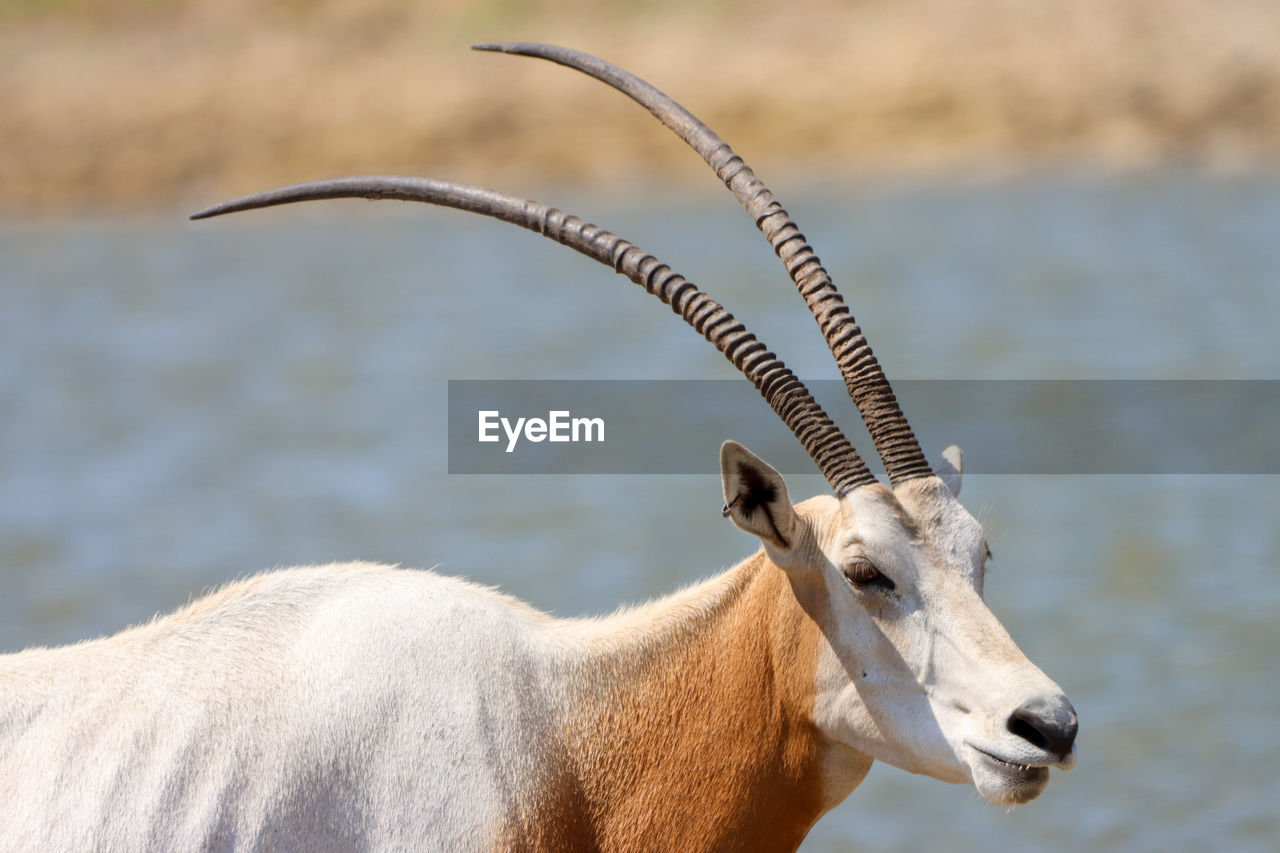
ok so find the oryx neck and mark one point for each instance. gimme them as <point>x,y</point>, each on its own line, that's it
<point>690,718</point>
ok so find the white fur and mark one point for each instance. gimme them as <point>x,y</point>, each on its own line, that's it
<point>926,678</point>
<point>337,708</point>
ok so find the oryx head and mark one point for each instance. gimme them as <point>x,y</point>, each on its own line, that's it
<point>914,668</point>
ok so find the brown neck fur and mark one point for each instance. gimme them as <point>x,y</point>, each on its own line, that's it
<point>703,739</point>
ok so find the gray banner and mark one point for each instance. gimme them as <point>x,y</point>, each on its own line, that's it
<point>1004,426</point>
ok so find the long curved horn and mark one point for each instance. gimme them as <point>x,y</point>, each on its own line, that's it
<point>786,394</point>
<point>862,374</point>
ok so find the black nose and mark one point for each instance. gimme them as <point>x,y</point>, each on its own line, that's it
<point>1048,723</point>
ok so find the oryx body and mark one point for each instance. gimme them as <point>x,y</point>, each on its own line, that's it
<point>366,707</point>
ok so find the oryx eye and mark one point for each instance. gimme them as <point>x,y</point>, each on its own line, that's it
<point>863,574</point>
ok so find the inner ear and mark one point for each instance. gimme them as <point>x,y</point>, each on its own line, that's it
<point>755,496</point>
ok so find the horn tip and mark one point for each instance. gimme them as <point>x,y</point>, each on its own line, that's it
<point>523,48</point>
<point>225,207</point>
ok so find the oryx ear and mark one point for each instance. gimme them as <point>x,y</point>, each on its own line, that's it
<point>949,466</point>
<point>755,496</point>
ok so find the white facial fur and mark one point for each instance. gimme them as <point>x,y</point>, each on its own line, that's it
<point>923,676</point>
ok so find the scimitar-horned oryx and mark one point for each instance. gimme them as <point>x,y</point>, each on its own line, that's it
<point>365,707</point>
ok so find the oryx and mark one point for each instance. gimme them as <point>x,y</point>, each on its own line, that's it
<point>366,707</point>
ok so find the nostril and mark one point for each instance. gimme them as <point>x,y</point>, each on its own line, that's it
<point>1024,729</point>
<point>1047,725</point>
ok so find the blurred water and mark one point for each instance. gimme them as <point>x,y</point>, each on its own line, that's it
<point>184,403</point>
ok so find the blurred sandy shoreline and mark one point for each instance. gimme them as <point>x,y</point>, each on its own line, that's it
<point>165,102</point>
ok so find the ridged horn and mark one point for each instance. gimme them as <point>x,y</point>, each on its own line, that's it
<point>784,392</point>
<point>862,373</point>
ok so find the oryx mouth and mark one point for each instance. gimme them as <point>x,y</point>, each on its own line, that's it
<point>1026,771</point>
